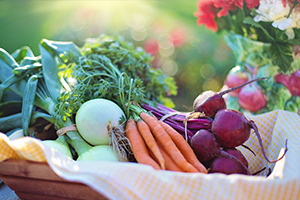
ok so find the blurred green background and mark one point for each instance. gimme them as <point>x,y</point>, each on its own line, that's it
<point>197,58</point>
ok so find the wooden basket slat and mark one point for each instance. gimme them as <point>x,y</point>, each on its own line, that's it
<point>35,180</point>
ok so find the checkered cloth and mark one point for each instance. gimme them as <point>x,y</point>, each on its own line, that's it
<point>121,180</point>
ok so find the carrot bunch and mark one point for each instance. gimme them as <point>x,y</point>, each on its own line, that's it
<point>157,144</point>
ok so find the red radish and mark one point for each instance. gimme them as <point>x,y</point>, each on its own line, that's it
<point>292,82</point>
<point>227,164</point>
<point>205,145</point>
<point>251,98</point>
<point>231,129</point>
<point>236,77</point>
<point>238,154</point>
<point>210,102</point>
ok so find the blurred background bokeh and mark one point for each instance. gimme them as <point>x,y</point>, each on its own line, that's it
<point>197,58</point>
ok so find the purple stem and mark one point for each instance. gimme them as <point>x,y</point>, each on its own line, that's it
<point>253,125</point>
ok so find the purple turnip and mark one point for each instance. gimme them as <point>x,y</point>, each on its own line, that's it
<point>227,164</point>
<point>231,129</point>
<point>238,154</point>
<point>205,145</point>
<point>251,98</point>
<point>210,102</point>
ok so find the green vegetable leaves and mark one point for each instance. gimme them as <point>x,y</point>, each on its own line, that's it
<point>111,68</point>
<point>281,50</point>
<point>258,54</point>
<point>282,56</point>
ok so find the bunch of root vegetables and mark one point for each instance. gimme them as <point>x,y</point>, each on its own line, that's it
<point>204,140</point>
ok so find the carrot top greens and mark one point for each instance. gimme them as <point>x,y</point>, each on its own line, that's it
<point>114,69</point>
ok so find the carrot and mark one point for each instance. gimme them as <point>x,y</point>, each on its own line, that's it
<point>163,137</point>
<point>138,145</point>
<point>150,141</point>
<point>170,164</point>
<point>184,147</point>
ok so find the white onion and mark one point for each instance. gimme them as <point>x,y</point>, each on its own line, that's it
<point>60,145</point>
<point>99,153</point>
<point>96,118</point>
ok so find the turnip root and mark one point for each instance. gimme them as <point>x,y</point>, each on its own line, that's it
<point>231,129</point>
<point>210,102</point>
<point>238,154</point>
<point>227,164</point>
<point>205,145</point>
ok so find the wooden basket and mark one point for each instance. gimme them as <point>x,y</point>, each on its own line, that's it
<point>36,180</point>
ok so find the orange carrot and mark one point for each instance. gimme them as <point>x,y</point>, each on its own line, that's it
<point>170,164</point>
<point>184,147</point>
<point>150,141</point>
<point>138,145</point>
<point>163,137</point>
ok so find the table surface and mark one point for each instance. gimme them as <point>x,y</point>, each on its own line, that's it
<point>6,193</point>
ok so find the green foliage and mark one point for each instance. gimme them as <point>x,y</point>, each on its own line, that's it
<point>113,69</point>
<point>282,56</point>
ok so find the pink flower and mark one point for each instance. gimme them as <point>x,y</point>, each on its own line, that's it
<point>206,14</point>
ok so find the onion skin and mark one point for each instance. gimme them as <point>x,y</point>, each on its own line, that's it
<point>96,118</point>
<point>60,145</point>
<point>99,153</point>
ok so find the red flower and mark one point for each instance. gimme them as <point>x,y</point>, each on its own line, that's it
<point>210,10</point>
<point>284,2</point>
<point>227,5</point>
<point>252,3</point>
<point>206,14</point>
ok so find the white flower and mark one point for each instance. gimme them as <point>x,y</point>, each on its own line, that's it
<point>290,33</point>
<point>273,11</point>
<point>294,22</point>
<point>282,23</point>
